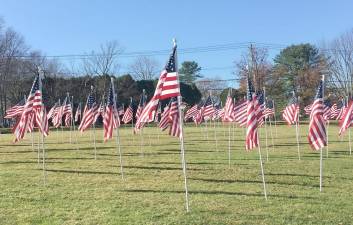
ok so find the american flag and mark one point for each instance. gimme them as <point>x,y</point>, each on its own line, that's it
<point>67,112</point>
<point>191,112</point>
<point>317,129</point>
<point>252,138</point>
<point>163,124</point>
<point>307,109</point>
<point>57,120</point>
<point>228,109</point>
<point>269,109</point>
<point>88,112</point>
<point>291,112</point>
<point>327,110</point>
<point>110,115</point>
<point>142,104</point>
<point>32,111</point>
<point>121,110</point>
<point>334,111</point>
<point>127,117</point>
<point>240,112</point>
<point>347,117</point>
<point>52,111</point>
<point>198,117</point>
<point>340,108</point>
<point>158,113</point>
<point>15,111</point>
<point>208,108</point>
<point>174,128</point>
<point>262,105</point>
<point>78,113</point>
<point>167,87</point>
<point>99,112</point>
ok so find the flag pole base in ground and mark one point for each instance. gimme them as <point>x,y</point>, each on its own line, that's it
<point>321,169</point>
<point>297,135</point>
<point>229,141</point>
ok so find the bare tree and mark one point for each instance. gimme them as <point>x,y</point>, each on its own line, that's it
<point>253,63</point>
<point>103,62</point>
<point>144,68</point>
<point>212,86</point>
<point>339,53</point>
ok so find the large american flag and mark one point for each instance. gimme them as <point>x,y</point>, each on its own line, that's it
<point>32,113</point>
<point>88,112</point>
<point>167,87</point>
<point>347,117</point>
<point>327,109</point>
<point>109,120</point>
<point>128,115</point>
<point>291,112</point>
<point>252,138</point>
<point>317,130</point>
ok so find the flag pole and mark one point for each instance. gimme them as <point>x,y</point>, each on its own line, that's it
<point>41,76</point>
<point>117,132</point>
<point>266,136</point>
<point>271,133</point>
<point>327,127</point>
<point>229,141</point>
<point>183,161</point>
<point>68,96</point>
<point>262,172</point>
<point>297,128</point>
<point>57,129</point>
<point>321,169</point>
<point>349,141</point>
<point>73,122</point>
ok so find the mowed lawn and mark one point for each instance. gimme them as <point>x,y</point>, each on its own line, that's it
<point>82,190</point>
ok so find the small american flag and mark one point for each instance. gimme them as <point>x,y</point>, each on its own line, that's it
<point>229,109</point>
<point>163,124</point>
<point>307,109</point>
<point>208,108</point>
<point>142,104</point>
<point>261,107</point>
<point>99,112</point>
<point>52,111</point>
<point>16,110</point>
<point>269,109</point>
<point>88,113</point>
<point>67,112</point>
<point>199,115</point>
<point>327,110</point>
<point>127,117</point>
<point>291,112</point>
<point>59,111</point>
<point>167,87</point>
<point>174,128</point>
<point>78,113</point>
<point>252,138</point>
<point>340,109</point>
<point>317,129</point>
<point>347,117</point>
<point>191,112</point>
<point>109,120</point>
<point>240,112</point>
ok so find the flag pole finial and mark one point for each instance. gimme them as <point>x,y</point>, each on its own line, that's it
<point>174,42</point>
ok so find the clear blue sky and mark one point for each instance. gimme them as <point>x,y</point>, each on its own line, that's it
<point>78,26</point>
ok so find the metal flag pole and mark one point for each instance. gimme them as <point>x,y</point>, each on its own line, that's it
<point>94,135</point>
<point>73,122</point>
<point>349,141</point>
<point>68,97</point>
<point>271,134</point>
<point>266,139</point>
<point>321,169</point>
<point>38,147</point>
<point>327,128</point>
<point>262,172</point>
<point>215,135</point>
<point>117,133</point>
<point>229,143</point>
<point>41,76</point>
<point>297,135</point>
<point>57,129</point>
<point>183,161</point>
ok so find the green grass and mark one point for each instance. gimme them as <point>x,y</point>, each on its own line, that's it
<point>82,190</point>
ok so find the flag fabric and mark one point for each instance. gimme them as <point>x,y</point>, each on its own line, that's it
<point>110,115</point>
<point>128,115</point>
<point>121,110</point>
<point>269,110</point>
<point>228,109</point>
<point>317,129</point>
<point>208,108</point>
<point>78,113</point>
<point>57,120</point>
<point>340,108</point>
<point>167,87</point>
<point>174,128</point>
<point>198,118</point>
<point>334,111</point>
<point>52,111</point>
<point>252,138</point>
<point>164,122</point>
<point>32,107</point>
<point>191,112</point>
<point>159,111</point>
<point>88,113</point>
<point>67,112</point>
<point>15,111</point>
<point>261,107</point>
<point>307,109</point>
<point>327,110</point>
<point>141,105</point>
<point>346,120</point>
<point>99,112</point>
<point>240,113</point>
<point>291,112</point>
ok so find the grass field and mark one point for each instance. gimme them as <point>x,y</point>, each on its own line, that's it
<point>82,190</point>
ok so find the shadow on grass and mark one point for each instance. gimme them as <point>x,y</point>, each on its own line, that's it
<point>196,163</point>
<point>81,171</point>
<point>25,162</point>
<point>162,168</point>
<point>250,181</point>
<point>216,193</point>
